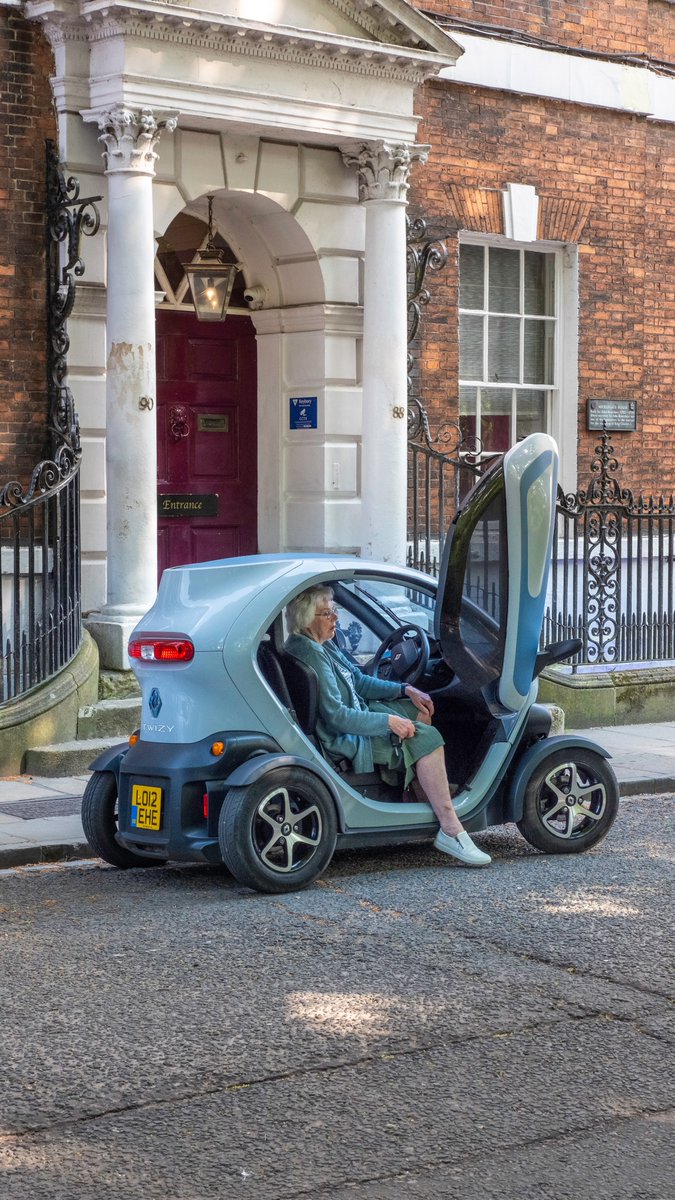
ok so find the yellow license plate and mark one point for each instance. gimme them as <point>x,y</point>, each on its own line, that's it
<point>146,807</point>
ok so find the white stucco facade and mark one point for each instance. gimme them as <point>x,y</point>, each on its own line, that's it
<point>297,117</point>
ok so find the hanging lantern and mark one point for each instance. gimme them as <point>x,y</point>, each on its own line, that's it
<point>211,279</point>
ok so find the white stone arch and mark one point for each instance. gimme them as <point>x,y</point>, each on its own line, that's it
<point>278,258</point>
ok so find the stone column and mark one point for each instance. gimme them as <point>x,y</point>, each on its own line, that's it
<point>383,171</point>
<point>129,139</point>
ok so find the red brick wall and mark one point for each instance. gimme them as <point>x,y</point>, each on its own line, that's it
<point>601,26</point>
<point>606,182</point>
<point>26,119</point>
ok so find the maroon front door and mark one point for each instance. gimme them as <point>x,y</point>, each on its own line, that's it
<point>206,438</point>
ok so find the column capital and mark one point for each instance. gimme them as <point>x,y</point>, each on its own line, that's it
<point>130,138</point>
<point>383,168</point>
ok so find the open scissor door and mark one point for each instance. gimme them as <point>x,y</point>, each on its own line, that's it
<point>494,572</point>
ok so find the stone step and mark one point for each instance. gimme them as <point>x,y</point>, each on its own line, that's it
<point>113,685</point>
<point>67,758</point>
<point>109,718</point>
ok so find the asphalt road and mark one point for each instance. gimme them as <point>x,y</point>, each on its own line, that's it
<point>405,1028</point>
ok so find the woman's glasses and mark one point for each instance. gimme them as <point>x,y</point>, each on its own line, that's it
<point>331,614</point>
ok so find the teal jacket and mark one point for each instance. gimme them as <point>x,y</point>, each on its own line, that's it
<point>345,724</point>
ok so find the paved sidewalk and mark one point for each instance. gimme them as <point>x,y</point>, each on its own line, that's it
<point>40,822</point>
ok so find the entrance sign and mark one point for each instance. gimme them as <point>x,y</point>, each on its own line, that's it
<point>169,505</point>
<point>617,415</point>
<point>303,414</point>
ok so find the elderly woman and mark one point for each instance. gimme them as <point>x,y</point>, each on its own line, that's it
<point>358,713</point>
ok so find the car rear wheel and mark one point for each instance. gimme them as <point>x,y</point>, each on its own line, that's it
<point>570,802</point>
<point>279,833</point>
<point>100,823</point>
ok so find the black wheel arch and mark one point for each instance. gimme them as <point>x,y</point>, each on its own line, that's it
<point>261,764</point>
<point>110,759</point>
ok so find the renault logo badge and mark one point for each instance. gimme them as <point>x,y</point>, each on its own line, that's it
<point>155,702</point>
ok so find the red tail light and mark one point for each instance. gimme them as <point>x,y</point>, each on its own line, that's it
<point>150,648</point>
<point>205,805</point>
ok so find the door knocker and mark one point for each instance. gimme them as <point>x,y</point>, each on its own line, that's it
<point>179,422</point>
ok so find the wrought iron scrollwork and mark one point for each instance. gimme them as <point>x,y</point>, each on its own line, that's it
<point>427,251</point>
<point>68,217</point>
<point>601,510</point>
<point>604,488</point>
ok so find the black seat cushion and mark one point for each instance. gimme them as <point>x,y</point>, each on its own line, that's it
<point>273,675</point>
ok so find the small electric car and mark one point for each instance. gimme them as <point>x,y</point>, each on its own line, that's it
<point>227,766</point>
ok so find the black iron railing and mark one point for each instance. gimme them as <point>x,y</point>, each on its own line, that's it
<point>40,609</point>
<point>40,613</point>
<point>612,580</point>
<point>613,574</point>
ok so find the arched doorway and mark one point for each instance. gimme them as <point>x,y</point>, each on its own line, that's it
<point>206,415</point>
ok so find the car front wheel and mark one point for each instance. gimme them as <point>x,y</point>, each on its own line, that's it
<point>100,823</point>
<point>279,833</point>
<point>570,802</point>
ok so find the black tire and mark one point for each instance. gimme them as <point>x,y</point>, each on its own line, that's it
<point>570,802</point>
<point>279,833</point>
<point>99,821</point>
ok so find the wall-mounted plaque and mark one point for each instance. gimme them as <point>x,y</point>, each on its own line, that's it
<point>303,412</point>
<point>213,422</point>
<point>186,506</point>
<point>616,415</point>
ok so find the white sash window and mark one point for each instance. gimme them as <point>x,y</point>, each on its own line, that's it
<point>509,314</point>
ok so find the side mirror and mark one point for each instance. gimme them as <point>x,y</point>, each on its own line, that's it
<point>556,652</point>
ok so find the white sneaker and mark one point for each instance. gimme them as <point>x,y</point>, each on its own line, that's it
<point>462,848</point>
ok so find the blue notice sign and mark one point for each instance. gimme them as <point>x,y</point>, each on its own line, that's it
<point>303,412</point>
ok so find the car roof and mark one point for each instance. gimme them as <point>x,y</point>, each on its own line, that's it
<point>207,600</point>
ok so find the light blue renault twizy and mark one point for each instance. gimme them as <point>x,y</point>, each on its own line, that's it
<point>227,766</point>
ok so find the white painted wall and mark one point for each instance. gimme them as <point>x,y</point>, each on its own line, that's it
<point>530,71</point>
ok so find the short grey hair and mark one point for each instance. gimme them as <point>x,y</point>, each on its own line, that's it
<point>302,609</point>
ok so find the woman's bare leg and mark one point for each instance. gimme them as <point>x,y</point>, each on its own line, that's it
<point>433,777</point>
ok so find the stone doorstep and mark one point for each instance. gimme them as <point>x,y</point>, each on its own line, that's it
<point>109,718</point>
<point>116,685</point>
<point>67,758</point>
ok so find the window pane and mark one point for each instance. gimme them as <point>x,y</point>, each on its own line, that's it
<point>470,347</point>
<point>495,420</point>
<point>530,413</point>
<point>504,268</point>
<point>471,277</point>
<point>504,350</point>
<point>413,606</point>
<point>539,284</point>
<point>538,351</point>
<point>468,398</point>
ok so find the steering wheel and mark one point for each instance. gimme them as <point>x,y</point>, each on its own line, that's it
<point>409,647</point>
